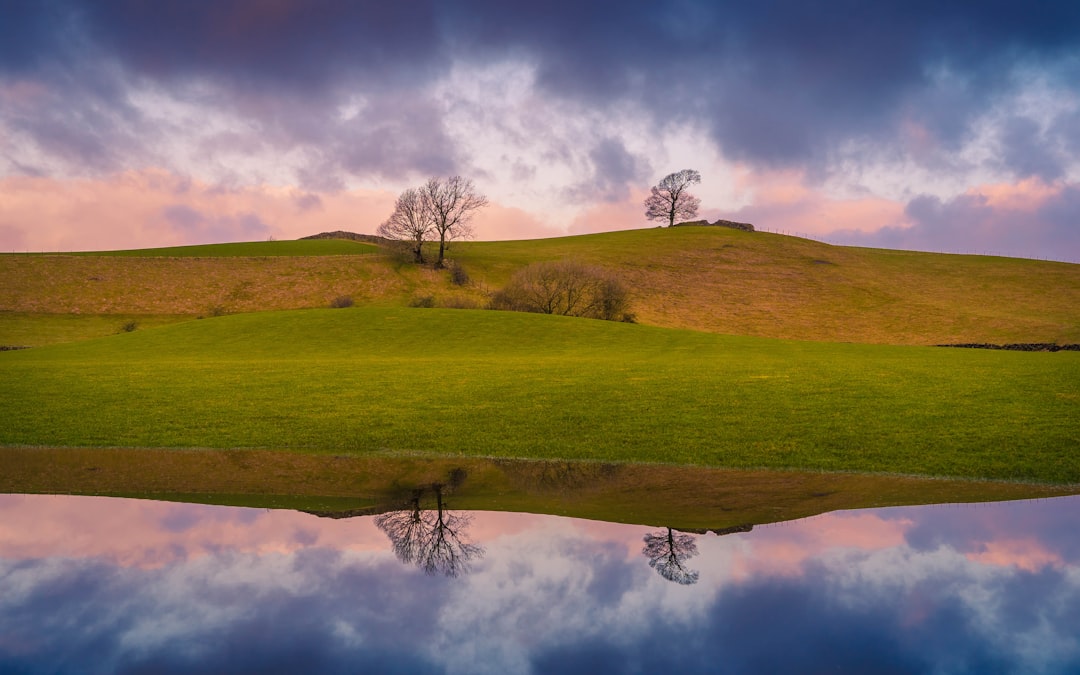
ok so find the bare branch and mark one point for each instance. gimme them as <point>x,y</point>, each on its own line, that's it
<point>409,222</point>
<point>669,199</point>
<point>450,205</point>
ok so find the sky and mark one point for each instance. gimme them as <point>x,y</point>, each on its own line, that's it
<point>911,124</point>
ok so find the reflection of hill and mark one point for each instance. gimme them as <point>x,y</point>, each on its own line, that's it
<point>686,498</point>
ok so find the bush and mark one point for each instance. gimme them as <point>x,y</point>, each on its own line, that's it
<point>565,287</point>
<point>216,310</point>
<point>129,326</point>
<point>426,301</point>
<point>341,301</point>
<point>458,275</point>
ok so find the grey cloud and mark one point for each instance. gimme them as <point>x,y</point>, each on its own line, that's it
<point>183,216</point>
<point>775,83</point>
<point>396,137</point>
<point>308,202</point>
<point>32,33</point>
<point>969,223</point>
<point>782,83</point>
<point>614,169</point>
<point>304,47</point>
<point>1028,152</point>
<point>82,119</point>
<point>197,227</point>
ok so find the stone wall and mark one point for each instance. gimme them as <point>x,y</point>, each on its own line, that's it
<point>746,227</point>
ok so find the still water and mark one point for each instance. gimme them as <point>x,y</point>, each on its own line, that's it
<point>95,584</point>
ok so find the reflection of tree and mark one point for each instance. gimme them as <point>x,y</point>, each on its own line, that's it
<point>434,539</point>
<point>668,551</point>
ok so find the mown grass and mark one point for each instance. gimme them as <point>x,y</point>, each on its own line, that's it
<point>34,330</point>
<point>303,247</point>
<point>476,383</point>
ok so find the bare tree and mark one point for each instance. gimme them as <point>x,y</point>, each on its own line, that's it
<point>565,287</point>
<point>409,222</point>
<point>450,205</point>
<point>667,554</point>
<point>669,199</point>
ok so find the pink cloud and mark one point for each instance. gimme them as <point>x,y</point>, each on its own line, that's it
<point>1031,218</point>
<point>628,214</point>
<point>781,201</point>
<point>498,222</point>
<point>139,209</point>
<point>151,208</point>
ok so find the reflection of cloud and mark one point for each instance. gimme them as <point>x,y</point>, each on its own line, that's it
<point>1027,554</point>
<point>158,534</point>
<point>551,594</point>
<point>786,548</point>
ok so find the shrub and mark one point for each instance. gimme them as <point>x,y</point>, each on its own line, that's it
<point>426,301</point>
<point>458,275</point>
<point>565,287</point>
<point>216,310</point>
<point>129,326</point>
<point>341,301</point>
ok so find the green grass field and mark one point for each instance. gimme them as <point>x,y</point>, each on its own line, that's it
<point>479,383</point>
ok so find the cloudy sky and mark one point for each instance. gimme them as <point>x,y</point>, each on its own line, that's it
<point>897,123</point>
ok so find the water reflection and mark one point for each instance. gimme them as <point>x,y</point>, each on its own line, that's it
<point>668,552</point>
<point>108,585</point>
<point>432,539</point>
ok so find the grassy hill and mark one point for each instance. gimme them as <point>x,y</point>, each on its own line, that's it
<point>707,279</point>
<point>481,383</point>
<point>301,247</point>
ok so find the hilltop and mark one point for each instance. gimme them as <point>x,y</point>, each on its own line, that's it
<point>710,279</point>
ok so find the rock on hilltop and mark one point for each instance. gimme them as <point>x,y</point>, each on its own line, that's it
<point>746,227</point>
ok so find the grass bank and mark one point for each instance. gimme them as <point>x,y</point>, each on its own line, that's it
<point>477,383</point>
